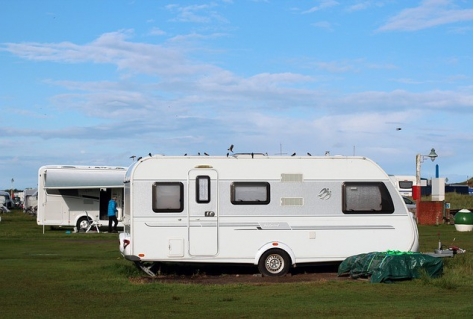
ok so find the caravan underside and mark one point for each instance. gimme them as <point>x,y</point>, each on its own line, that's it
<point>307,240</point>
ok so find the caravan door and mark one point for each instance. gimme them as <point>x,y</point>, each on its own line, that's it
<point>203,217</point>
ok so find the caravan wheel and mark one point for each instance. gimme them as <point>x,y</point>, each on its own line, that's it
<point>82,223</point>
<point>274,262</point>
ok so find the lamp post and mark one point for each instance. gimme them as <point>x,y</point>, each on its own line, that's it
<point>11,190</point>
<point>419,159</point>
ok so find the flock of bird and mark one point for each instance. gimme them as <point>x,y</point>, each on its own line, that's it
<point>230,151</point>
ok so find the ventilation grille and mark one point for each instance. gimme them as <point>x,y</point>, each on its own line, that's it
<point>291,177</point>
<point>292,201</point>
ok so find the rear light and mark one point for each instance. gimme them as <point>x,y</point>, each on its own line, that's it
<point>126,242</point>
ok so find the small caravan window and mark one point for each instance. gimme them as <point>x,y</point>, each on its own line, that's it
<point>250,193</point>
<point>203,189</point>
<point>366,198</point>
<point>167,197</point>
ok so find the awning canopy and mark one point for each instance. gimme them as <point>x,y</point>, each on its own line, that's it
<point>61,178</point>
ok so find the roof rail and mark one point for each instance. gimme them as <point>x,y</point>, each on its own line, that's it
<point>249,155</point>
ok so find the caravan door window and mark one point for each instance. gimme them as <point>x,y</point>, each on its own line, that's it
<point>203,189</point>
<point>250,193</point>
<point>167,197</point>
<point>366,198</point>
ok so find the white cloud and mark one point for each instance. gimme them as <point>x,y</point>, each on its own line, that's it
<point>157,31</point>
<point>429,13</point>
<point>323,4</point>
<point>359,6</point>
<point>113,48</point>
<point>323,25</point>
<point>199,13</point>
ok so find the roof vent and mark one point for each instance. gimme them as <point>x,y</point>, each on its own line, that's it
<point>291,177</point>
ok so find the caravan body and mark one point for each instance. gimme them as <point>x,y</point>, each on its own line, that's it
<point>69,195</point>
<point>269,211</point>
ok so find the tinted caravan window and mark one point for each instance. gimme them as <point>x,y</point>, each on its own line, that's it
<point>203,189</point>
<point>250,193</point>
<point>167,197</point>
<point>366,198</point>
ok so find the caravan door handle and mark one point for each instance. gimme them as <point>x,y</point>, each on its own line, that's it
<point>209,213</point>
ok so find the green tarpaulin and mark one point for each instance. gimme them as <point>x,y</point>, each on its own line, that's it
<point>391,265</point>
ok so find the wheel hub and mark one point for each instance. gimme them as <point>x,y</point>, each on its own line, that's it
<point>274,263</point>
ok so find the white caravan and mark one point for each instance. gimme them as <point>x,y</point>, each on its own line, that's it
<point>270,211</point>
<point>404,184</point>
<point>30,201</point>
<point>5,202</point>
<point>70,195</point>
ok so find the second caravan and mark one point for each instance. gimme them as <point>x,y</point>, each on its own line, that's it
<point>273,212</point>
<point>404,184</point>
<point>72,195</point>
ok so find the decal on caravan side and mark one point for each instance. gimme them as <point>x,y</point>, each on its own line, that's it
<point>271,211</point>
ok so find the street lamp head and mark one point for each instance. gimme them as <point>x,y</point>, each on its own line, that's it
<point>433,155</point>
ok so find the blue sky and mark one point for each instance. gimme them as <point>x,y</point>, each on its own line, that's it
<point>95,82</point>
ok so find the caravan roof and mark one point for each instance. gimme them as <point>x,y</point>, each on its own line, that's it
<point>30,191</point>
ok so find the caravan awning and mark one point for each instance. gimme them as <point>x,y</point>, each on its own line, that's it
<point>62,178</point>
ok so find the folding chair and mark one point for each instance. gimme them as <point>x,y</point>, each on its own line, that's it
<point>92,223</point>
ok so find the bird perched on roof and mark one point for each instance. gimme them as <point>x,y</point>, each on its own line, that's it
<point>293,154</point>
<point>206,154</point>
<point>139,158</point>
<point>149,154</point>
<point>309,154</point>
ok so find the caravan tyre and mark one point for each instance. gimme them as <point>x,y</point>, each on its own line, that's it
<point>82,223</point>
<point>274,262</point>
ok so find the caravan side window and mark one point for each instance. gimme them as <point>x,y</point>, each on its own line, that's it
<point>167,197</point>
<point>366,198</point>
<point>250,193</point>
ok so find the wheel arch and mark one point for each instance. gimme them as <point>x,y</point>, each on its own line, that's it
<point>275,245</point>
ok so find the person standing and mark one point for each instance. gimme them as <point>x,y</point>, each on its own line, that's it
<point>112,213</point>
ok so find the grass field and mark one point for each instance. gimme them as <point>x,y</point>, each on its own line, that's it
<point>456,201</point>
<point>64,275</point>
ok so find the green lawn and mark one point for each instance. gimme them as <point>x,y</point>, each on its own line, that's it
<point>64,275</point>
